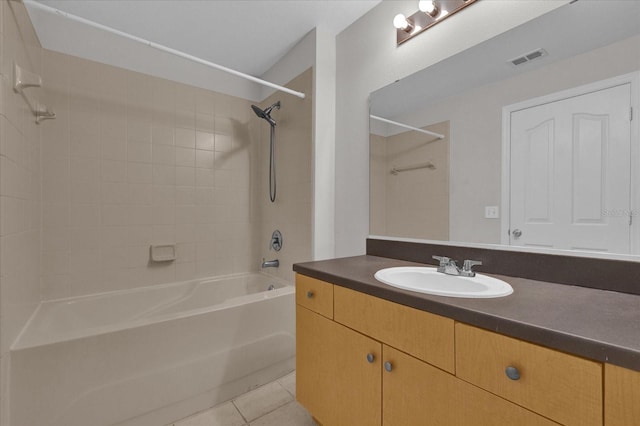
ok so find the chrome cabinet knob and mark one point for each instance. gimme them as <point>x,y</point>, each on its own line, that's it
<point>517,233</point>
<point>512,373</point>
<point>388,366</point>
<point>309,294</point>
<point>370,358</point>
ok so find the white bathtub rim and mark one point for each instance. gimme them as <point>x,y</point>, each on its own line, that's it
<point>17,344</point>
<point>166,285</point>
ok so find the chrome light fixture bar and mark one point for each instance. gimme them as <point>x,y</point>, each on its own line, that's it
<point>429,14</point>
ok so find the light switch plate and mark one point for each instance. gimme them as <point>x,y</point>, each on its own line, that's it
<point>491,212</point>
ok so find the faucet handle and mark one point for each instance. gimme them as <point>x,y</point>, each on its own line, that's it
<point>468,264</point>
<point>444,261</point>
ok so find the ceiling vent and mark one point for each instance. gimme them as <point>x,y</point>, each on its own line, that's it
<point>538,53</point>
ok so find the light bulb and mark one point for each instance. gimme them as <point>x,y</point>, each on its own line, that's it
<point>429,7</point>
<point>402,23</point>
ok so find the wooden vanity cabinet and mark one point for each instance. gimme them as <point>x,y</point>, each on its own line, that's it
<point>621,396</point>
<point>375,362</point>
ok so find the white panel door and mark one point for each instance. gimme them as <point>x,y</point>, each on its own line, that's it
<point>571,173</point>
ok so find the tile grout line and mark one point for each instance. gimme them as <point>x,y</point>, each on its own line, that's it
<point>265,414</point>
<point>269,412</point>
<point>233,402</point>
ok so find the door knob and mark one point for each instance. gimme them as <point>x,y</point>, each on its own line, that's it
<point>388,366</point>
<point>370,358</point>
<point>309,294</point>
<point>517,233</point>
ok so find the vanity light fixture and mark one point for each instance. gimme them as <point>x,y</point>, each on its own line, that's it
<point>402,23</point>
<point>429,7</point>
<point>430,13</point>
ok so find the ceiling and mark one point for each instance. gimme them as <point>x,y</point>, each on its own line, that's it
<point>246,35</point>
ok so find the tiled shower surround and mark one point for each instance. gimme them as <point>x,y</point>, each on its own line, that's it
<point>20,188</point>
<point>133,160</point>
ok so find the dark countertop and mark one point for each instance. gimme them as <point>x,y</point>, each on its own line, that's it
<point>597,324</point>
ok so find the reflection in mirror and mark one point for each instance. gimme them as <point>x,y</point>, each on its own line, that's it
<point>409,181</point>
<point>466,96</point>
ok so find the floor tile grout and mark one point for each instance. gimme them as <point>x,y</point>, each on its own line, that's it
<point>233,402</point>
<point>268,412</point>
<point>280,386</point>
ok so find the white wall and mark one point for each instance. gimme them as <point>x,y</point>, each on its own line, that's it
<point>324,116</point>
<point>367,59</point>
<point>318,50</point>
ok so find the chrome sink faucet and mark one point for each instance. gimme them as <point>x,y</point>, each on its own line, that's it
<point>450,267</point>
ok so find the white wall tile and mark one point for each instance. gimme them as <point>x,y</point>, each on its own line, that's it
<point>162,135</point>
<point>164,175</point>
<point>153,162</point>
<point>204,141</point>
<point>139,152</point>
<point>79,144</point>
<point>84,169</point>
<point>185,137</point>
<point>139,173</point>
<point>114,171</point>
<point>185,195</point>
<point>113,148</point>
<point>185,176</point>
<point>138,127</point>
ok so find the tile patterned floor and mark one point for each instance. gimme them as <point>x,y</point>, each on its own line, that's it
<point>270,405</point>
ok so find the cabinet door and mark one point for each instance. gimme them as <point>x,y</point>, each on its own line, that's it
<point>416,393</point>
<point>335,380</point>
<point>621,396</point>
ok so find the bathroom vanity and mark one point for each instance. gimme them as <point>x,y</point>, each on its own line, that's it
<point>372,354</point>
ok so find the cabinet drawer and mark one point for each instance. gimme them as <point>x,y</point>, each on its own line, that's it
<point>621,396</point>
<point>562,387</point>
<point>423,335</point>
<point>315,295</point>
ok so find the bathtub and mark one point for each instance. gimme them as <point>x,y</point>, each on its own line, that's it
<point>153,355</point>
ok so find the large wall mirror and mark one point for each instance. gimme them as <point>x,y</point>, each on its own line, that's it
<point>528,139</point>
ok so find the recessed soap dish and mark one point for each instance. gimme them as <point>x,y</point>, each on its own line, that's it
<point>163,253</point>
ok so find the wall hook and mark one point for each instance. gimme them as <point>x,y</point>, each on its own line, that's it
<point>23,79</point>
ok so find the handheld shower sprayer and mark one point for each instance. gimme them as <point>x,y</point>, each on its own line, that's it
<point>266,115</point>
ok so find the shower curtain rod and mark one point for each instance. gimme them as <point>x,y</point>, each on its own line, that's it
<point>406,126</point>
<point>161,47</point>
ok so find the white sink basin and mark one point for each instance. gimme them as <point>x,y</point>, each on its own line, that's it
<point>430,281</point>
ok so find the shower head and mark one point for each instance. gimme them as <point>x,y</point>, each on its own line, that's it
<point>266,114</point>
